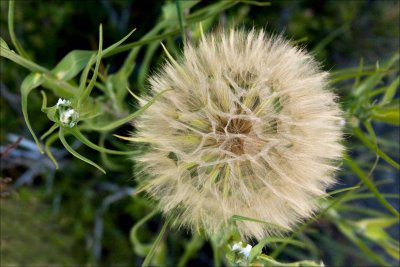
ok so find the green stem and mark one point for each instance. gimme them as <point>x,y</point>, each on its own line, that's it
<point>14,40</point>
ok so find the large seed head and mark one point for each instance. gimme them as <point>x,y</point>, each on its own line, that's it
<point>249,128</point>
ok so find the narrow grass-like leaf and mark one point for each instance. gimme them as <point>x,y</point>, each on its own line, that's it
<point>343,190</point>
<point>71,64</point>
<point>85,73</point>
<point>31,82</point>
<point>371,132</point>
<point>333,204</point>
<point>47,145</point>
<point>390,115</point>
<point>151,49</point>
<point>76,154</point>
<point>269,261</point>
<point>255,3</point>
<point>358,133</point>
<point>11,55</point>
<point>14,39</point>
<point>50,131</point>
<point>368,195</point>
<point>328,39</point>
<point>191,248</point>
<point>44,101</point>
<point>180,19</point>
<point>3,44</point>
<point>120,122</point>
<point>85,94</point>
<point>348,231</point>
<point>195,17</point>
<point>141,42</point>
<point>108,163</point>
<point>75,132</point>
<point>390,92</point>
<point>240,218</point>
<point>140,248</point>
<point>150,255</point>
<point>257,249</point>
<point>113,46</point>
<point>363,177</point>
<point>368,84</point>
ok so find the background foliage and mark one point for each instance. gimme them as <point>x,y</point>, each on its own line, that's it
<point>85,217</point>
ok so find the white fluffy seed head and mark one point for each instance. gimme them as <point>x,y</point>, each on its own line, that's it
<point>249,128</point>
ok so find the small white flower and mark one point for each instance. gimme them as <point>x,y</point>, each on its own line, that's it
<point>237,246</point>
<point>69,117</point>
<point>63,102</point>
<point>242,250</point>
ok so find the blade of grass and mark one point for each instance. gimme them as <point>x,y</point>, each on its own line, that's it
<point>149,257</point>
<point>140,248</point>
<point>191,248</point>
<point>31,82</point>
<point>4,52</point>
<point>120,122</point>
<point>360,135</point>
<point>180,19</point>
<point>76,154</point>
<point>371,186</point>
<point>348,231</point>
<point>243,218</point>
<point>257,249</point>
<point>334,203</point>
<point>390,92</point>
<point>14,39</point>
<point>75,132</point>
<point>47,150</point>
<point>89,88</point>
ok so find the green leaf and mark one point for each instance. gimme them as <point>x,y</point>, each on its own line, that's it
<point>244,219</point>
<point>85,94</point>
<point>112,125</point>
<point>181,20</point>
<point>257,249</point>
<point>31,82</point>
<point>336,201</point>
<point>343,190</point>
<point>255,3</point>
<point>357,170</point>
<point>169,10</point>
<point>113,46</point>
<point>3,44</point>
<point>76,154</point>
<point>14,40</point>
<point>349,232</point>
<point>390,92</point>
<point>364,139</point>
<point>50,131</point>
<point>387,115</point>
<point>191,249</point>
<point>149,257</point>
<point>269,261</point>
<point>328,39</point>
<point>392,248</point>
<point>145,66</point>
<point>374,228</point>
<point>140,248</point>
<point>368,84</point>
<point>47,146</point>
<point>75,132</point>
<point>72,64</point>
<point>11,55</point>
